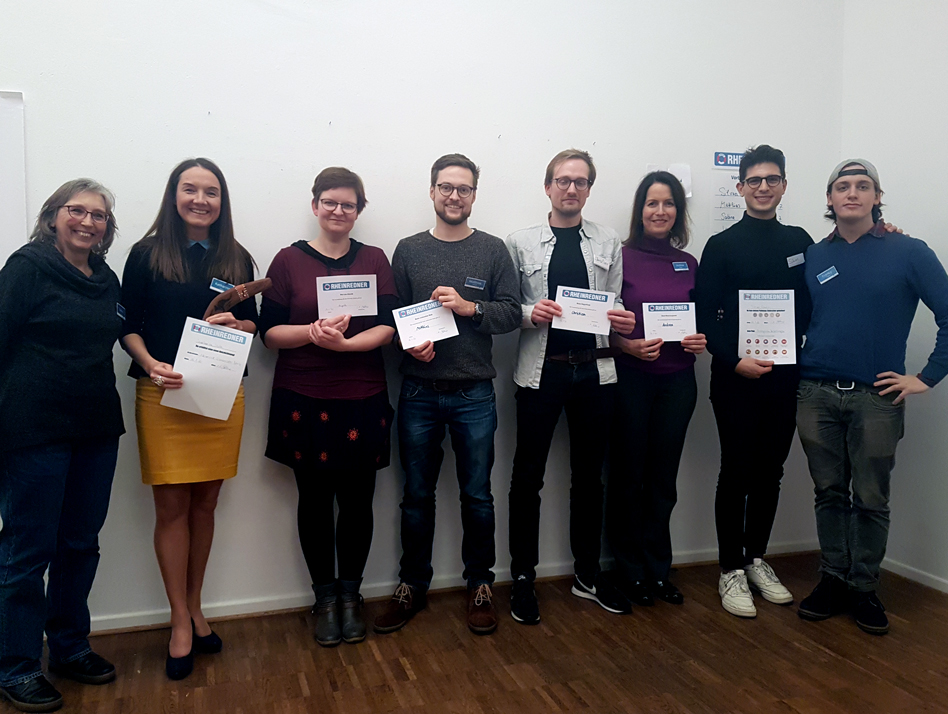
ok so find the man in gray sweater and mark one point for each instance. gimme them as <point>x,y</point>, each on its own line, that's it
<point>449,384</point>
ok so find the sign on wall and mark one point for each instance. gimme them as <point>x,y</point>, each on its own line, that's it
<point>14,223</point>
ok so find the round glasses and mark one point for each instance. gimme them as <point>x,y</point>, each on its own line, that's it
<point>330,205</point>
<point>79,213</point>
<point>447,189</point>
<point>563,183</point>
<point>773,180</point>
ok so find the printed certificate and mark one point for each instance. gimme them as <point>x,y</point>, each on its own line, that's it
<point>430,320</point>
<point>347,295</point>
<point>671,321</point>
<point>767,326</point>
<point>583,310</point>
<point>212,360</point>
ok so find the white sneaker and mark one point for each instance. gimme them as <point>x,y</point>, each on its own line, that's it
<point>736,597</point>
<point>761,577</point>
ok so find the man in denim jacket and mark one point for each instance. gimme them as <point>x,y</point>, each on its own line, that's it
<point>561,369</point>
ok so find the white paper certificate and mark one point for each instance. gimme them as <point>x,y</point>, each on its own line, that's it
<point>430,320</point>
<point>212,359</point>
<point>767,326</point>
<point>347,295</point>
<point>671,321</point>
<point>583,310</point>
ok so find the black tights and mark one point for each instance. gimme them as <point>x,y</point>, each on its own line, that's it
<point>351,537</point>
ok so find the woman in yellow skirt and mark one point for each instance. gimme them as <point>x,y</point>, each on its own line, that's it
<point>184,457</point>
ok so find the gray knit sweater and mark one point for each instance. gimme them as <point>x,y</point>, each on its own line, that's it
<point>422,262</point>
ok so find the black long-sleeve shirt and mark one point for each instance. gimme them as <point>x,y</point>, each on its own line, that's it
<point>753,254</point>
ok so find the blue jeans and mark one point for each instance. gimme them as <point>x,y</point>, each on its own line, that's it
<point>53,501</point>
<point>850,437</point>
<point>470,416</point>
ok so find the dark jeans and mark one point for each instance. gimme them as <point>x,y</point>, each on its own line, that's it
<point>588,405</point>
<point>53,501</point>
<point>652,416</point>
<point>350,537</point>
<point>470,416</point>
<point>850,437</point>
<point>756,420</point>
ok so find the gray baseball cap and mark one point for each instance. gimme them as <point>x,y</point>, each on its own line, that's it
<point>841,170</point>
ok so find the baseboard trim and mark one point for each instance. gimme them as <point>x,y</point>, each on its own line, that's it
<point>918,576</point>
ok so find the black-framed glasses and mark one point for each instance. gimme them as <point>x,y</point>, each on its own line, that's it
<point>79,213</point>
<point>773,180</point>
<point>447,189</point>
<point>563,183</point>
<point>330,205</point>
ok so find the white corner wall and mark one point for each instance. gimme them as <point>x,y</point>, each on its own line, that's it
<point>891,69</point>
<point>275,90</point>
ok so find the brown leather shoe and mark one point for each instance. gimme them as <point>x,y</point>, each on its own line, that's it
<point>405,602</point>
<point>481,615</point>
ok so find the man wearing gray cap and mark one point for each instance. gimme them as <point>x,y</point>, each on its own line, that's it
<point>865,284</point>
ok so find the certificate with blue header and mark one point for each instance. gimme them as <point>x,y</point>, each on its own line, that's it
<point>671,321</point>
<point>429,320</point>
<point>347,295</point>
<point>767,325</point>
<point>211,358</point>
<point>584,310</point>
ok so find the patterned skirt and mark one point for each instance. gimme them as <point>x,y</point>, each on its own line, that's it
<point>329,434</point>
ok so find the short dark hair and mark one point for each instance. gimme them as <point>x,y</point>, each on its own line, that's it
<point>454,160</point>
<point>339,177</point>
<point>678,235</point>
<point>45,229</point>
<point>762,154</point>
<point>566,155</point>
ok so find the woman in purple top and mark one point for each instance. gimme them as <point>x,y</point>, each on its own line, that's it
<point>329,412</point>
<point>657,394</point>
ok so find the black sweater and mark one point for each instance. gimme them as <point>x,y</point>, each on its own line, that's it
<point>750,255</point>
<point>57,330</point>
<point>157,308</point>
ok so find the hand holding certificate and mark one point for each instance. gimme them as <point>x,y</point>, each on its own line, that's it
<point>583,310</point>
<point>424,321</point>
<point>354,295</point>
<point>211,359</point>
<point>671,322</point>
<point>767,326</point>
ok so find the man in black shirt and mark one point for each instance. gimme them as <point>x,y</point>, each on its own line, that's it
<point>754,400</point>
<point>561,369</point>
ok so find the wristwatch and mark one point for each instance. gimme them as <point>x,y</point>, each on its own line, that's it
<point>478,311</point>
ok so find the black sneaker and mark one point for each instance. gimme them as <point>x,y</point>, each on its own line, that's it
<point>36,695</point>
<point>830,597</point>
<point>870,613</point>
<point>603,593</point>
<point>524,607</point>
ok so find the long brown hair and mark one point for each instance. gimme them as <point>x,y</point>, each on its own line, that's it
<point>679,234</point>
<point>167,238</point>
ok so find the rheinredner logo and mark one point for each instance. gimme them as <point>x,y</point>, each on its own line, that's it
<point>767,296</point>
<point>219,334</point>
<point>727,158</point>
<point>580,295</point>
<point>348,285</point>
<point>421,307</point>
<point>670,307</point>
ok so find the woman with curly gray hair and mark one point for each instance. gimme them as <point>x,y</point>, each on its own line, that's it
<point>60,422</point>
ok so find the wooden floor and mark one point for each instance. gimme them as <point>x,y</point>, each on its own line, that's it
<point>693,658</point>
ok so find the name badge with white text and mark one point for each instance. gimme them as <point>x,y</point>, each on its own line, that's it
<point>827,274</point>
<point>219,286</point>
<point>475,283</point>
<point>120,310</point>
<point>680,266</point>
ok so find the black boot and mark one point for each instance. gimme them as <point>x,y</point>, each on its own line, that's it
<point>328,632</point>
<point>353,626</point>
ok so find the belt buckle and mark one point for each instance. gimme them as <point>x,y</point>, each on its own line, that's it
<point>851,387</point>
<point>577,356</point>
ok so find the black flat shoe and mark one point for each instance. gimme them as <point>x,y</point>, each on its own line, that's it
<point>664,590</point>
<point>88,669</point>
<point>36,695</point>
<point>179,667</point>
<point>639,593</point>
<point>208,644</point>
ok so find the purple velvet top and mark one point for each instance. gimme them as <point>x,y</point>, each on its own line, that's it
<point>649,276</point>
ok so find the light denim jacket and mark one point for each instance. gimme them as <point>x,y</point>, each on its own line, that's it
<point>531,249</point>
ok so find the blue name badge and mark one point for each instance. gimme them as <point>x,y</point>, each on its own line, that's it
<point>827,274</point>
<point>219,286</point>
<point>680,266</point>
<point>475,283</point>
<point>120,310</point>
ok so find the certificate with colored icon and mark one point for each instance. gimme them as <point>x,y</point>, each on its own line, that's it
<point>429,320</point>
<point>767,325</point>
<point>353,295</point>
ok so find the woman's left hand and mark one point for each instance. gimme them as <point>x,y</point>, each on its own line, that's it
<point>694,344</point>
<point>225,319</point>
<point>323,335</point>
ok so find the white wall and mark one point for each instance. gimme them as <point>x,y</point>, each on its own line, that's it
<point>275,90</point>
<point>891,68</point>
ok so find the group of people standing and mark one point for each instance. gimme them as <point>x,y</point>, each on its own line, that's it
<point>61,310</point>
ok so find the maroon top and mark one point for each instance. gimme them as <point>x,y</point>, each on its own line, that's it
<point>649,275</point>
<point>315,371</point>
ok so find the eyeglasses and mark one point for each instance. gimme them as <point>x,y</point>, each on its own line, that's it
<point>79,213</point>
<point>563,183</point>
<point>754,181</point>
<point>330,205</point>
<point>463,191</point>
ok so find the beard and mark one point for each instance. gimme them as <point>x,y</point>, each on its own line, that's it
<point>451,220</point>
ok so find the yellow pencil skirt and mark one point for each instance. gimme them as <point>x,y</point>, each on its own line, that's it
<point>181,447</point>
